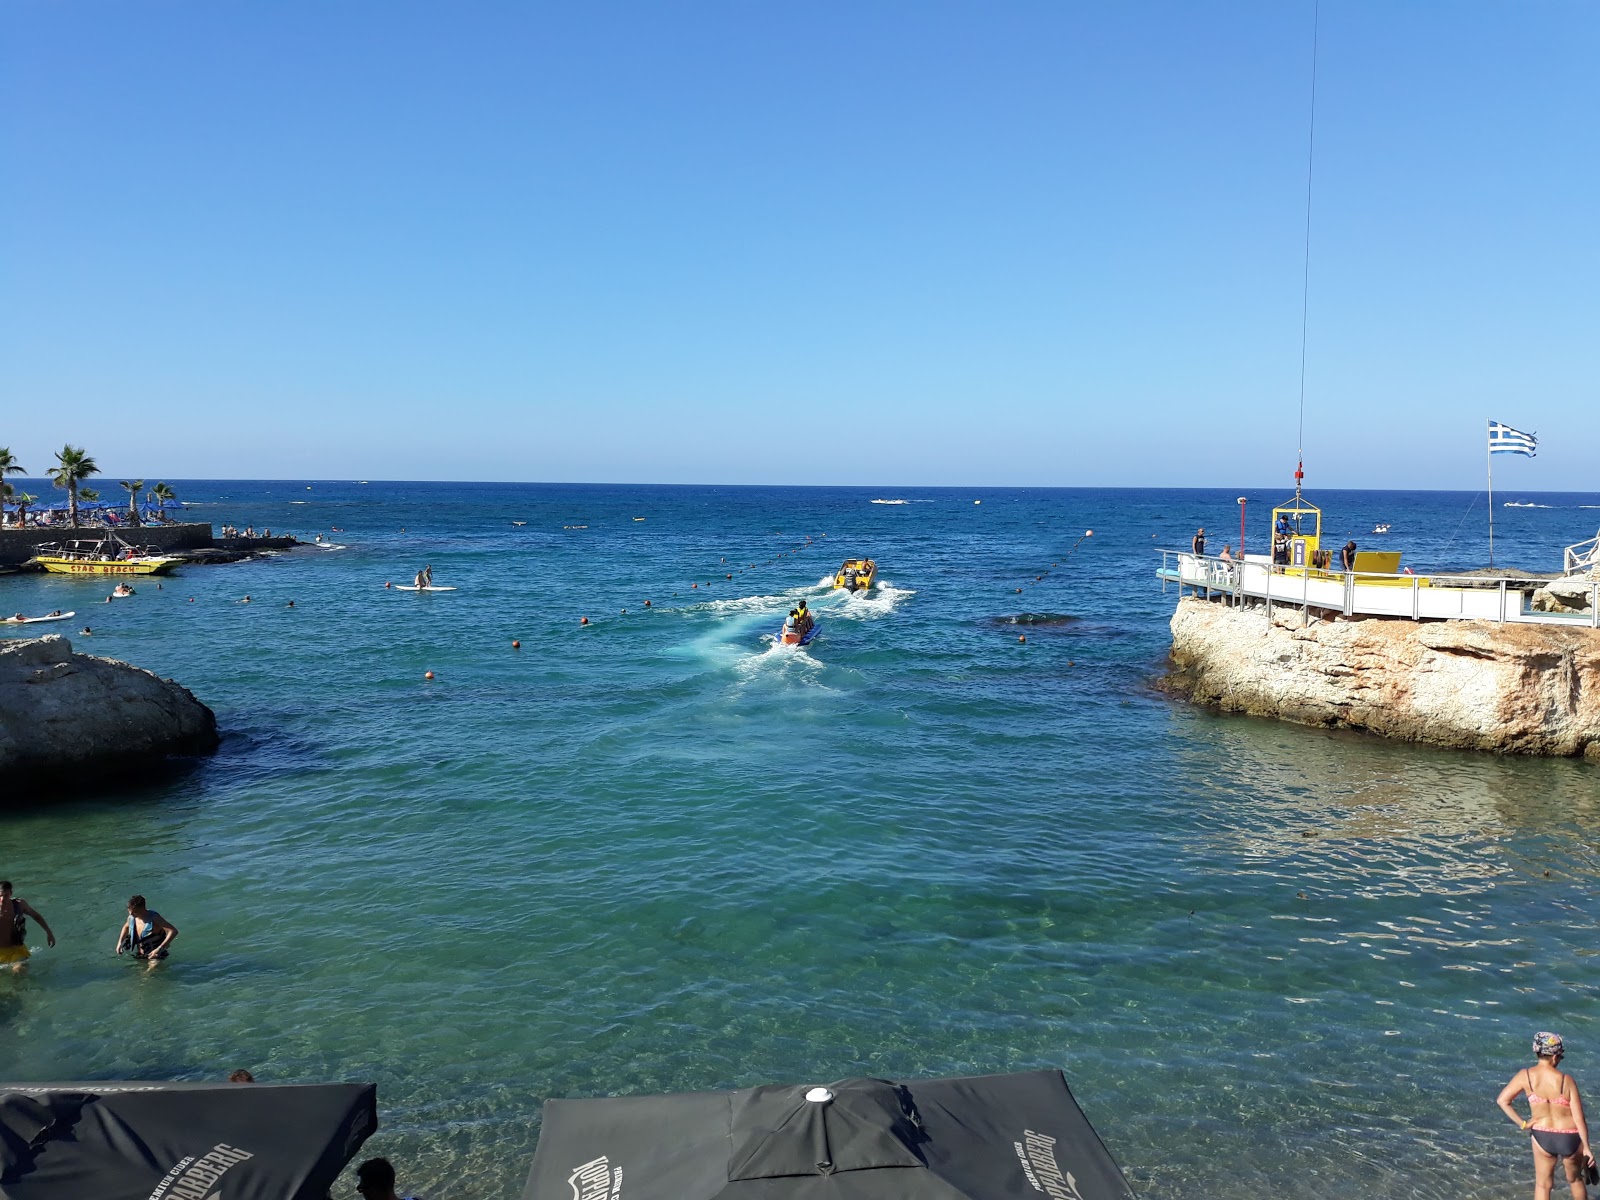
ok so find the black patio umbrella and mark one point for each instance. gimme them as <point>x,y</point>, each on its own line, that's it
<point>990,1137</point>
<point>179,1141</point>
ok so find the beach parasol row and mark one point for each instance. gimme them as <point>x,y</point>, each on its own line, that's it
<point>993,1137</point>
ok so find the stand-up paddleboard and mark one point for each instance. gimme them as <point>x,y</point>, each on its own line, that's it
<point>411,587</point>
<point>35,620</point>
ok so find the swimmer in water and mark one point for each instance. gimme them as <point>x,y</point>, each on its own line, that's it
<point>246,600</point>
<point>85,632</point>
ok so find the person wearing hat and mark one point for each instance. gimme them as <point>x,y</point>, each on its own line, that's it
<point>1200,542</point>
<point>1347,557</point>
<point>1556,1120</point>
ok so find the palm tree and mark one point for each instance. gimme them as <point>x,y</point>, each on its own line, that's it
<point>162,492</point>
<point>73,466</point>
<point>9,464</point>
<point>132,486</point>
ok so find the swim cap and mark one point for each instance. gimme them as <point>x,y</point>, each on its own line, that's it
<point>1547,1045</point>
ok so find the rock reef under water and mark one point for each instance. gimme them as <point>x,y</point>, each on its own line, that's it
<point>1507,688</point>
<point>65,716</point>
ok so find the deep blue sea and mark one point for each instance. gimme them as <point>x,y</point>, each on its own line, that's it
<point>657,853</point>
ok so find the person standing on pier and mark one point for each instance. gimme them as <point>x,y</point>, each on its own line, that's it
<point>1200,543</point>
<point>1347,556</point>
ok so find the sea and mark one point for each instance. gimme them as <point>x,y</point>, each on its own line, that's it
<point>961,832</point>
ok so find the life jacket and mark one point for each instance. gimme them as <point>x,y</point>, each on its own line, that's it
<point>144,947</point>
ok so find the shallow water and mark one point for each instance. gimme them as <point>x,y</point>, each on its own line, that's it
<point>658,853</point>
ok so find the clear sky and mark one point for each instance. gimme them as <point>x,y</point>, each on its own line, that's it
<point>1048,243</point>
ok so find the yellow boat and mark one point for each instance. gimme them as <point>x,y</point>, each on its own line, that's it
<point>857,575</point>
<point>108,556</point>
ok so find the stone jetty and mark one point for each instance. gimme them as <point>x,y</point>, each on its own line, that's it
<point>65,715</point>
<point>1482,685</point>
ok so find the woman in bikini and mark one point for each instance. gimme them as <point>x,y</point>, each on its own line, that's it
<point>1560,1133</point>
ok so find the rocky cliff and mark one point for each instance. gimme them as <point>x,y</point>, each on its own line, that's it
<point>1515,689</point>
<point>63,715</point>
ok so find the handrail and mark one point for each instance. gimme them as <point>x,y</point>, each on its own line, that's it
<point>1436,579</point>
<point>1581,556</point>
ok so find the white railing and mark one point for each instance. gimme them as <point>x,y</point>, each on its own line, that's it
<point>1581,556</point>
<point>1367,593</point>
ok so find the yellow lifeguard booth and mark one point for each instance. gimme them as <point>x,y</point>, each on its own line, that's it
<point>1301,522</point>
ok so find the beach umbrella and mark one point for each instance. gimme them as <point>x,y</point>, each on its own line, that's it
<point>178,1141</point>
<point>991,1137</point>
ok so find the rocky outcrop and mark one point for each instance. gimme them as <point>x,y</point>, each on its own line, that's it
<point>65,715</point>
<point>1513,688</point>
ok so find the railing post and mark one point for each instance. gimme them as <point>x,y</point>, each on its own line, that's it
<point>1416,597</point>
<point>1502,602</point>
<point>1269,593</point>
<point>1594,605</point>
<point>1349,593</point>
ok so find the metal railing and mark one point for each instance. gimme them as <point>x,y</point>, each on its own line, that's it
<point>1367,593</point>
<point>1581,556</point>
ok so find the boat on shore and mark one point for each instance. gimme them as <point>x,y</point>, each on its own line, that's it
<point>856,575</point>
<point>109,555</point>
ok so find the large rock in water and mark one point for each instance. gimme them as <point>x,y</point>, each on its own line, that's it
<point>64,715</point>
<point>1512,688</point>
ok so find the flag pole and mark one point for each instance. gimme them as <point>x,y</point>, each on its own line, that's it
<point>1488,456</point>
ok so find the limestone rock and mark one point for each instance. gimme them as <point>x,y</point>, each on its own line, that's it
<point>1513,688</point>
<point>63,715</point>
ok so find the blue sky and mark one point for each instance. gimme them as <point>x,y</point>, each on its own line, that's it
<point>931,243</point>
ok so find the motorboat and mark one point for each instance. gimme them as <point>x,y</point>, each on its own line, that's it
<point>109,555</point>
<point>856,575</point>
<point>1380,529</point>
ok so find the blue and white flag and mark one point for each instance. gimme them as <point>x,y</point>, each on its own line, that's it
<point>1505,440</point>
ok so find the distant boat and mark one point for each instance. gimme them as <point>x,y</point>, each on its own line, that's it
<point>519,523</point>
<point>1380,529</point>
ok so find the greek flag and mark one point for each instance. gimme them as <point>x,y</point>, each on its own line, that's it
<point>1505,440</point>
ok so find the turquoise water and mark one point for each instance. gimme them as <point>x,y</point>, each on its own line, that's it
<point>659,854</point>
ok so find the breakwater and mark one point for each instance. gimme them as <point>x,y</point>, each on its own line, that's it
<point>1481,685</point>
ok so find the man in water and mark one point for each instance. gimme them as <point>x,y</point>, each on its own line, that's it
<point>13,910</point>
<point>146,932</point>
<point>375,1181</point>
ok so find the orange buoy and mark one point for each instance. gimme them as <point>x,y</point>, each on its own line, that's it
<point>1022,637</point>
<point>647,604</point>
<point>694,585</point>
<point>427,674</point>
<point>729,575</point>
<point>387,584</point>
<point>516,645</point>
<point>584,621</point>
<point>1019,589</point>
<point>1070,663</point>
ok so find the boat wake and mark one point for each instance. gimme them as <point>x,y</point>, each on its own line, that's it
<point>1519,504</point>
<point>880,601</point>
<point>902,502</point>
